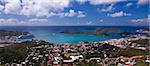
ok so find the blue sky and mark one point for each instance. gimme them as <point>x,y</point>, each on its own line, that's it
<point>74,12</point>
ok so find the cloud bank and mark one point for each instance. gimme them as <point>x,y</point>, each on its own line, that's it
<point>119,14</point>
<point>29,22</point>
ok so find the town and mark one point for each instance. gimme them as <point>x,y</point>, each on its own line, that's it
<point>74,32</point>
<point>129,51</point>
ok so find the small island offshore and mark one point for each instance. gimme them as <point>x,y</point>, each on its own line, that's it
<point>133,49</point>
<point>74,33</point>
<point>96,32</point>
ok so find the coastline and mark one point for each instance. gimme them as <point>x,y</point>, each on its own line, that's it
<point>52,33</point>
<point>65,53</point>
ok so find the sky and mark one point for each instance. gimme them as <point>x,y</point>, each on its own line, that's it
<point>74,12</point>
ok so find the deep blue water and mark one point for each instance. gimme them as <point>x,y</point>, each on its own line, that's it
<point>52,33</point>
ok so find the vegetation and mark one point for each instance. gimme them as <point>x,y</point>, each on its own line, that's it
<point>142,42</point>
<point>85,63</point>
<point>94,54</point>
<point>125,33</point>
<point>105,30</point>
<point>17,53</point>
<point>140,62</point>
<point>13,54</point>
<point>12,33</point>
<point>97,32</point>
<point>128,52</point>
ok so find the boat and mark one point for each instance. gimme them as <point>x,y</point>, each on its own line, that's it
<point>28,36</point>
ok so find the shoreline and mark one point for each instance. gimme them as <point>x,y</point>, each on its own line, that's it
<point>82,51</point>
<point>103,41</point>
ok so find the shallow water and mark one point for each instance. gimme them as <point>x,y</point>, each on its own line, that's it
<point>52,33</point>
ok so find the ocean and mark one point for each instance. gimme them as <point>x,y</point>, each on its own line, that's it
<point>52,33</point>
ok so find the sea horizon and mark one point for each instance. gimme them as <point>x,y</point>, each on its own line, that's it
<point>74,25</point>
<point>74,33</point>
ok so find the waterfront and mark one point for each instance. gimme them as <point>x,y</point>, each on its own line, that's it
<point>124,51</point>
<point>52,33</point>
<point>130,49</point>
<point>74,33</point>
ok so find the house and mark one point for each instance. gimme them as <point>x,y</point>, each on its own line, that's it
<point>73,59</point>
<point>95,59</point>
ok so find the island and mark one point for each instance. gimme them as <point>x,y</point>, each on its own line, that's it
<point>130,50</point>
<point>95,32</point>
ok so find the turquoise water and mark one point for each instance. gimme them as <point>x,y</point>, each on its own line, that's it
<point>52,33</point>
<point>71,38</point>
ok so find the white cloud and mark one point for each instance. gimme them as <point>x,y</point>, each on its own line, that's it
<point>42,8</point>
<point>47,8</point>
<point>38,20</point>
<point>88,23</point>
<point>101,20</point>
<point>129,4</point>
<point>141,20</point>
<point>51,14</point>
<point>71,13</point>
<point>119,14</point>
<point>12,6</point>
<point>34,7</point>
<point>39,8</point>
<point>107,9</point>
<point>142,2</point>
<point>99,2</point>
<point>82,1</point>
<point>10,21</point>
<point>80,14</point>
<point>1,8</point>
<point>29,22</point>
